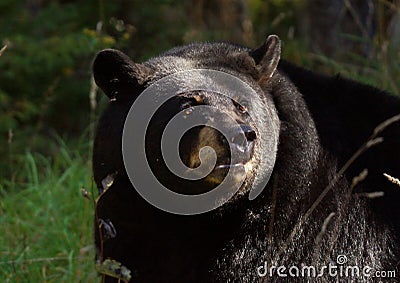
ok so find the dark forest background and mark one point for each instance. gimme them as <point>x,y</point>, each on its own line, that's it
<point>49,104</point>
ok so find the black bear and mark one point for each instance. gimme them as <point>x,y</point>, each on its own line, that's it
<point>311,136</point>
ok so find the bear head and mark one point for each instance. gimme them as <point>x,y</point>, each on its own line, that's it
<point>248,146</point>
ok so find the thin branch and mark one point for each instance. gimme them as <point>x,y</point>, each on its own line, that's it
<point>335,234</point>
<point>324,228</point>
<point>372,141</point>
<point>3,49</point>
<point>356,18</point>
<point>392,179</point>
<point>271,222</point>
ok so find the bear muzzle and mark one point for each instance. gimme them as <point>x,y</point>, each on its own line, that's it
<point>233,155</point>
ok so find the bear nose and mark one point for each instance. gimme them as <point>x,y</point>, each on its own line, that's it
<point>249,136</point>
<point>249,133</point>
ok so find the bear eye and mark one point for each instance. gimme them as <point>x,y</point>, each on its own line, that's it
<point>241,107</point>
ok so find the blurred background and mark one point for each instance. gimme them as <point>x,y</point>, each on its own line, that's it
<point>49,105</point>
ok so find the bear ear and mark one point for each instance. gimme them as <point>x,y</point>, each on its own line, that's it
<point>267,57</point>
<point>114,71</point>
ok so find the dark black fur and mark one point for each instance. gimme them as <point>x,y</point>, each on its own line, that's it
<point>350,113</point>
<point>319,130</point>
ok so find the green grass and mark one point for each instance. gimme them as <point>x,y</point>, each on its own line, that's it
<point>46,225</point>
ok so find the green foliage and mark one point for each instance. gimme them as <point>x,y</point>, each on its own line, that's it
<point>45,70</point>
<point>159,25</point>
<point>45,223</point>
<point>382,70</point>
<point>278,16</point>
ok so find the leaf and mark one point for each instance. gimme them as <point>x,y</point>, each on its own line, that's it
<point>114,269</point>
<point>107,228</point>
<point>107,182</point>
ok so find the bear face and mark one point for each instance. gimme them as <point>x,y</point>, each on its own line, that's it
<point>123,81</point>
<point>200,137</point>
<point>291,124</point>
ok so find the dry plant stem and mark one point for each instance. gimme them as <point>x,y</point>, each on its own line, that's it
<point>96,216</point>
<point>373,140</point>
<point>318,239</point>
<point>10,151</point>
<point>324,227</point>
<point>392,179</point>
<point>3,49</point>
<point>356,18</point>
<point>394,7</point>
<point>335,234</point>
<point>371,195</point>
<point>93,106</point>
<point>385,58</point>
<point>273,208</point>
